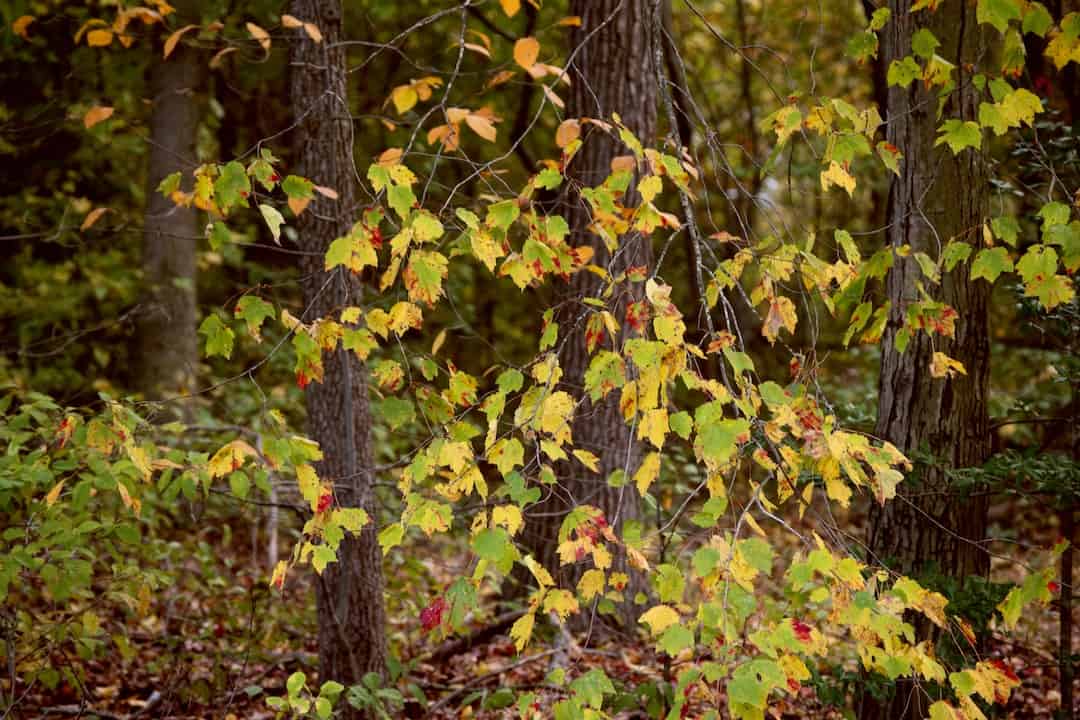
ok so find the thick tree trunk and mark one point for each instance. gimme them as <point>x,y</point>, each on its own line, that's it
<point>168,348</point>
<point>352,617</point>
<point>938,197</point>
<point>612,72</point>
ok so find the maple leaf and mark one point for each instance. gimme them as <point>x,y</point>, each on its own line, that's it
<point>431,617</point>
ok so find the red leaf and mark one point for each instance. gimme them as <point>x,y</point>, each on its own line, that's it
<point>802,630</point>
<point>302,380</point>
<point>431,616</point>
<point>325,500</point>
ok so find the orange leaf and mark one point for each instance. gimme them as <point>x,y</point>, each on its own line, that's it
<point>215,61</point>
<point>481,126</point>
<point>313,32</point>
<point>298,205</point>
<point>570,21</point>
<point>99,38</point>
<point>290,22</point>
<point>526,50</point>
<point>95,115</point>
<point>554,98</point>
<point>260,35</point>
<point>510,7</point>
<point>170,43</point>
<point>20,25</point>
<point>92,217</point>
<point>568,132</point>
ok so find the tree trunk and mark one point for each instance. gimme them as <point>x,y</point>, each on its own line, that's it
<point>938,197</point>
<point>168,347</point>
<point>611,72</point>
<point>349,593</point>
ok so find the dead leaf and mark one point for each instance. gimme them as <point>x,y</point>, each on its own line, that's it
<point>325,191</point>
<point>260,35</point>
<point>215,62</point>
<point>20,25</point>
<point>568,132</point>
<point>481,126</point>
<point>92,217</point>
<point>526,51</point>
<point>171,42</point>
<point>99,38</point>
<point>95,115</point>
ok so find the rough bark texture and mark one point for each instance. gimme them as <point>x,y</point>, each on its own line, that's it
<point>611,72</point>
<point>937,197</point>
<point>168,348</point>
<point>352,617</point>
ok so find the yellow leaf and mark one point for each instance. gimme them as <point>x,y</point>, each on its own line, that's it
<point>99,38</point>
<point>781,315</point>
<point>654,427</point>
<point>481,126</point>
<point>260,35</point>
<point>171,42</point>
<point>507,516</point>
<point>95,115</point>
<point>941,365</point>
<point>543,577</point>
<point>659,618</point>
<point>837,175</point>
<point>277,580</point>
<point>591,584</point>
<point>556,416</point>
<point>404,98</point>
<point>588,459</point>
<point>20,25</point>
<point>647,473</point>
<point>405,316</point>
<point>92,217</point>
<point>50,499</point>
<point>561,602</point>
<point>229,458</point>
<point>510,7</point>
<point>570,21</point>
<point>526,51</point>
<point>522,631</point>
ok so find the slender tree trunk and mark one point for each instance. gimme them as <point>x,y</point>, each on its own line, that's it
<point>611,72</point>
<point>352,617</point>
<point>168,348</point>
<point>938,197</point>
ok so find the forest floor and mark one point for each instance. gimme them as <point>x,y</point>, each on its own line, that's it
<point>218,643</point>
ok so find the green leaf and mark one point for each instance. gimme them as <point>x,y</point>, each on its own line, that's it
<point>219,337</point>
<point>1037,19</point>
<point>682,424</point>
<point>253,310</point>
<point>955,252</point>
<point>273,219</point>
<point>997,13</point>
<point>923,43</point>
<point>396,411</point>
<point>298,188</point>
<point>991,262</point>
<point>960,134</point>
<point>232,186</point>
<point>549,179</point>
<point>903,72</point>
<point>239,484</point>
<point>169,184</point>
<point>1006,229</point>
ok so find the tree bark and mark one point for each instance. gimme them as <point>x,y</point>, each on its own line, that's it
<point>611,72</point>
<point>938,197</point>
<point>168,347</point>
<point>352,617</point>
